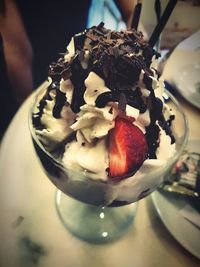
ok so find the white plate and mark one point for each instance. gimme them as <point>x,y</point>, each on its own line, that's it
<point>182,69</point>
<point>188,82</point>
<point>168,207</point>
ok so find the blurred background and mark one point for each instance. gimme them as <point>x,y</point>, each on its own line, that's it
<point>33,34</point>
<point>183,22</point>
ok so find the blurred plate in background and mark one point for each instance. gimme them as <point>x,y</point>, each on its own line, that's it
<point>182,69</point>
<point>187,82</point>
<point>169,207</point>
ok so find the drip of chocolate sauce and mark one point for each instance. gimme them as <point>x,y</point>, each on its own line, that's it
<point>152,137</point>
<point>118,58</point>
<point>165,126</point>
<point>78,77</point>
<point>36,118</point>
<point>169,121</point>
<point>60,100</point>
<point>156,115</point>
<point>108,57</point>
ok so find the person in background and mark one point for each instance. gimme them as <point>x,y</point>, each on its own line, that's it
<point>8,104</point>
<point>32,35</point>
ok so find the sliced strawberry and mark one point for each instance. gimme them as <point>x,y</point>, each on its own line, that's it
<point>128,118</point>
<point>127,148</point>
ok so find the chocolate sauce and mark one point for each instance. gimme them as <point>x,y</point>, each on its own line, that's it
<point>79,40</point>
<point>166,127</point>
<point>156,116</point>
<point>103,99</point>
<point>78,78</point>
<point>60,100</point>
<point>59,69</point>
<point>36,118</point>
<point>118,58</point>
<point>133,98</point>
<point>152,137</point>
<point>169,121</point>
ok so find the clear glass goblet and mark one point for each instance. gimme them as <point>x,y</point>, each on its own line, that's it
<point>101,211</point>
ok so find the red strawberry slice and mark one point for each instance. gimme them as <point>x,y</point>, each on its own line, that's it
<point>127,148</point>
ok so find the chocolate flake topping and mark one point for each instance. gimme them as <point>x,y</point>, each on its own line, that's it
<point>118,58</point>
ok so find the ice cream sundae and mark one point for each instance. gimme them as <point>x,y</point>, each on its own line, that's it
<point>102,117</point>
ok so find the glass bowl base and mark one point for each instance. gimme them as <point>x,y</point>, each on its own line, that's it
<point>94,224</point>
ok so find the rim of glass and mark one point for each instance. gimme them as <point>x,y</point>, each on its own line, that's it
<point>58,162</point>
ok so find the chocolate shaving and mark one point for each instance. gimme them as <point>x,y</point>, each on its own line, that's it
<point>117,57</point>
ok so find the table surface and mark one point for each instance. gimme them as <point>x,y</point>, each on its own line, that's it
<point>31,233</point>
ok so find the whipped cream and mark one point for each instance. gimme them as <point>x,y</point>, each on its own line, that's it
<point>86,86</point>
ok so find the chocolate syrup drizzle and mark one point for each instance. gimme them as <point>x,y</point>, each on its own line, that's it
<point>118,58</point>
<point>36,116</point>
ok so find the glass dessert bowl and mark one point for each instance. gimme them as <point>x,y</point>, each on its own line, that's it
<point>103,132</point>
<point>96,210</point>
